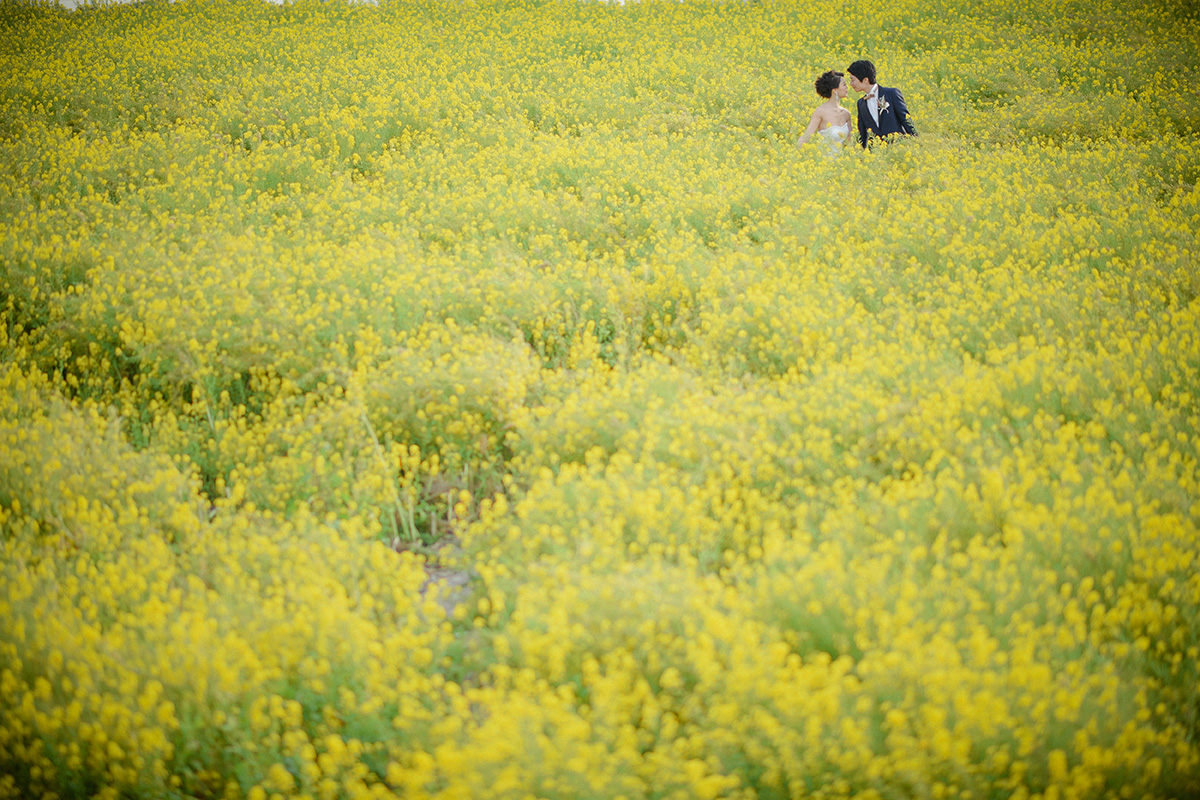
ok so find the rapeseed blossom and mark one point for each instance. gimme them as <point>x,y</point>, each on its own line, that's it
<point>491,400</point>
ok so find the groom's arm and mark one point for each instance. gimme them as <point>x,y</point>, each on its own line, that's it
<point>902,113</point>
<point>862,128</point>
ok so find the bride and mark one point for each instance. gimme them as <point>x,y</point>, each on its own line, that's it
<point>829,119</point>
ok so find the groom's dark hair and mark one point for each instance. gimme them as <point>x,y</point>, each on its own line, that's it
<point>827,82</point>
<point>863,70</point>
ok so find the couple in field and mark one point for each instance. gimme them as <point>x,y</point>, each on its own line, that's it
<point>881,110</point>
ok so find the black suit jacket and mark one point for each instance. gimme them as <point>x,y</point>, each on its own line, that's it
<point>893,116</point>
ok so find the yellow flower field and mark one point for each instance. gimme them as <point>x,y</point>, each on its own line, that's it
<point>490,399</point>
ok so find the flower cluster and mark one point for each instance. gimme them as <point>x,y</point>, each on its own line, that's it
<point>490,400</point>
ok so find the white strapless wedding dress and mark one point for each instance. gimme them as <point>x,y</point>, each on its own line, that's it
<point>835,136</point>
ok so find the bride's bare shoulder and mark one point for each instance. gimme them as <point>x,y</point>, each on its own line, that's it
<point>832,116</point>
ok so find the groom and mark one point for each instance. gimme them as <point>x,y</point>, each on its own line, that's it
<point>881,111</point>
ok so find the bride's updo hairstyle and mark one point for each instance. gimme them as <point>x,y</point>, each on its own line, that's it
<point>827,82</point>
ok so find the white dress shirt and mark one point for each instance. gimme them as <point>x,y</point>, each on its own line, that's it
<point>873,102</point>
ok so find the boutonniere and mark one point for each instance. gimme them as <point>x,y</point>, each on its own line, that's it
<point>884,105</point>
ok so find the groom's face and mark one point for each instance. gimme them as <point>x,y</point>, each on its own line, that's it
<point>859,86</point>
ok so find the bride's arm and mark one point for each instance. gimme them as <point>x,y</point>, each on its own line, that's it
<point>810,130</point>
